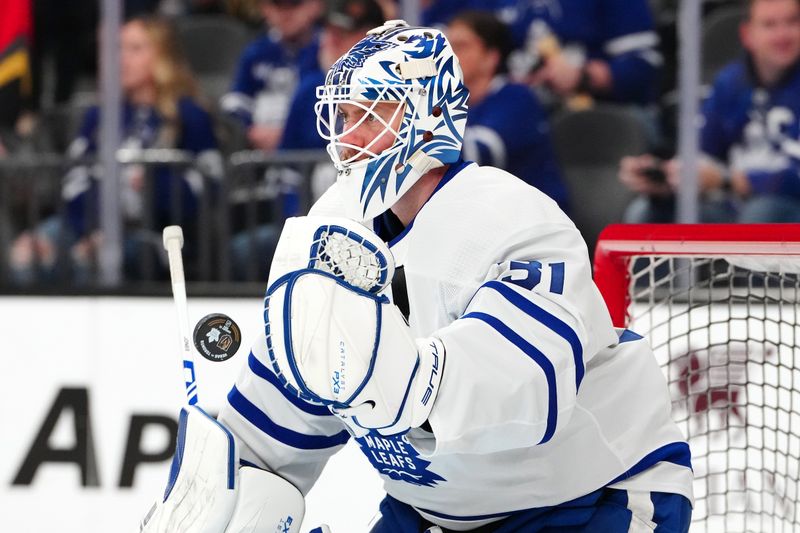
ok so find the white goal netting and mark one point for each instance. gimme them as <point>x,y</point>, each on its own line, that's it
<point>725,330</point>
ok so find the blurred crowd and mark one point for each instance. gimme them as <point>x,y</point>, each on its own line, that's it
<point>576,97</point>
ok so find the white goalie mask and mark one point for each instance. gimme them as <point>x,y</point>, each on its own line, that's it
<point>414,68</point>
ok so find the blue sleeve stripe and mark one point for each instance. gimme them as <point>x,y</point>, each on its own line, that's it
<point>557,278</point>
<point>555,324</point>
<point>291,438</point>
<point>263,372</point>
<point>677,453</point>
<point>538,357</point>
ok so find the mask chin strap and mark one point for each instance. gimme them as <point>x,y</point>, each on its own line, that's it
<point>422,163</point>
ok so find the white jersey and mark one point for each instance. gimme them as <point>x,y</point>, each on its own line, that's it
<point>541,401</point>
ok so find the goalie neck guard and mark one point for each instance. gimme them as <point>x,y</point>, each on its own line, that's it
<point>414,68</point>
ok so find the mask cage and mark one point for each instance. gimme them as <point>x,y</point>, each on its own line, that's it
<point>365,98</point>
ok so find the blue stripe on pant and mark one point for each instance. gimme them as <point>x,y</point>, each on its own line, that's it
<point>603,511</point>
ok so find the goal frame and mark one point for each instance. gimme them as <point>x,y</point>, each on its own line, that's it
<point>618,242</point>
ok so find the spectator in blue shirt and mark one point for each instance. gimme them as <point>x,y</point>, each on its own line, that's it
<point>345,23</point>
<point>750,137</point>
<point>602,49</point>
<point>438,13</point>
<point>270,68</point>
<point>161,110</point>
<point>506,126</point>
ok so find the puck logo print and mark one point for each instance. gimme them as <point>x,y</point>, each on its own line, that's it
<point>217,337</point>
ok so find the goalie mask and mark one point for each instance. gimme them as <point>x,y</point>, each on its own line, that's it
<point>405,85</point>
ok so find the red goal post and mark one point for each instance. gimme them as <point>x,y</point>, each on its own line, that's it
<point>619,243</point>
<point>720,305</point>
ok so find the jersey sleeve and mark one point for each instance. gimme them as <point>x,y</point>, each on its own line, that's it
<point>785,182</point>
<point>197,136</point>
<point>498,133</point>
<point>715,140</point>
<point>300,129</point>
<point>239,101</point>
<point>516,357</point>
<point>197,129</point>
<point>329,204</point>
<point>498,138</point>
<point>79,185</point>
<point>277,430</point>
<point>631,48</point>
<point>727,114</point>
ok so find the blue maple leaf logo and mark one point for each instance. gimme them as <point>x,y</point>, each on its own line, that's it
<point>343,69</point>
<point>397,459</point>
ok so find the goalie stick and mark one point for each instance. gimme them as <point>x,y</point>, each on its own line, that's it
<point>201,492</point>
<point>263,501</point>
<point>207,490</point>
<point>173,243</point>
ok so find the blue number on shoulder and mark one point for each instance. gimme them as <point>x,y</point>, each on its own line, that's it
<point>533,275</point>
<point>557,278</point>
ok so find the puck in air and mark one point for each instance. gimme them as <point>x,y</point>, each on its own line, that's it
<point>217,337</point>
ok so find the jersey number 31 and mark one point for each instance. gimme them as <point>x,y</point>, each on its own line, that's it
<point>532,272</point>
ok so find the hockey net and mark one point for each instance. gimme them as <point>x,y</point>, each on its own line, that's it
<point>719,304</point>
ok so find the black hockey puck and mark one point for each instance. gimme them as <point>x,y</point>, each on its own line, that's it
<point>217,337</point>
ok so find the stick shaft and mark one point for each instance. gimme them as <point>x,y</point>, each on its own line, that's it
<point>173,242</point>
